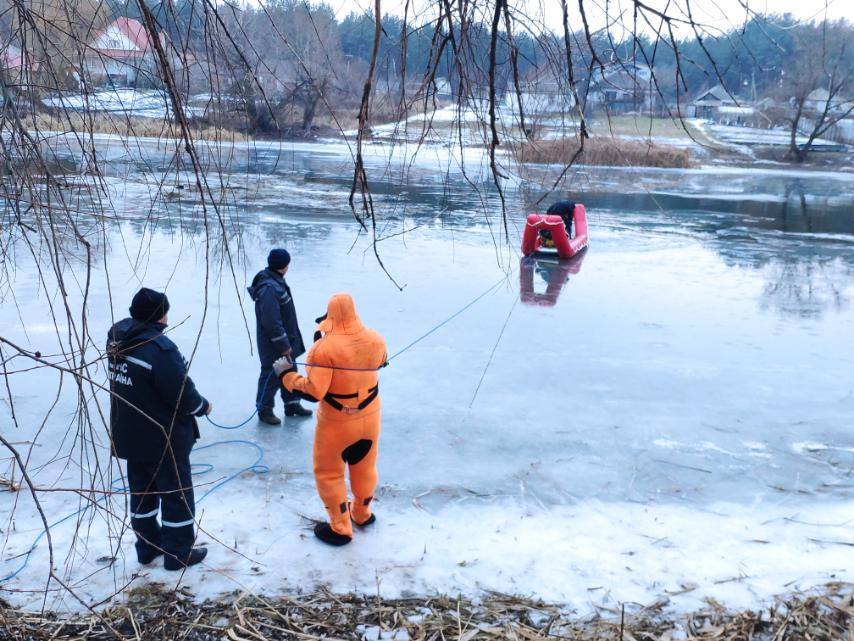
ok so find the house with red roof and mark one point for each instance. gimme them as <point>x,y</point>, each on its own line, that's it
<point>18,65</point>
<point>121,54</point>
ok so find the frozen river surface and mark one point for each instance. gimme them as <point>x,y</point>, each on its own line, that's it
<point>669,416</point>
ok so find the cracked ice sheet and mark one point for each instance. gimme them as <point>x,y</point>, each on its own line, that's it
<point>642,435</point>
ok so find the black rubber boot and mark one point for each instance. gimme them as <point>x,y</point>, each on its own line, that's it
<point>326,534</point>
<point>371,520</point>
<point>295,409</point>
<point>173,563</point>
<point>148,557</point>
<point>269,418</point>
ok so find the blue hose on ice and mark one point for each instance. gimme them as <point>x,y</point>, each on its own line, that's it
<point>256,466</point>
<point>248,418</point>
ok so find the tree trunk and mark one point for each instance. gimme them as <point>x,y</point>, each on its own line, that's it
<point>795,153</point>
<point>247,88</point>
<point>308,113</point>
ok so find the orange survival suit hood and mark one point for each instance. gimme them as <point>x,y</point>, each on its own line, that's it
<point>340,317</point>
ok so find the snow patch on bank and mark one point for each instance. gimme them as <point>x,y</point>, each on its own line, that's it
<point>138,103</point>
<point>591,553</point>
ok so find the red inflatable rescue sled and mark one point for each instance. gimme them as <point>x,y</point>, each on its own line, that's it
<point>566,247</point>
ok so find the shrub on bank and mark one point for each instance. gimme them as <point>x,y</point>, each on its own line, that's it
<point>127,126</point>
<point>611,152</point>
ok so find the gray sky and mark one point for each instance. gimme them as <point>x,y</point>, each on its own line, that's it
<point>716,14</point>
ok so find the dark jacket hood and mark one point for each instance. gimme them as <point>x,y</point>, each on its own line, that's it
<point>129,332</point>
<point>261,279</point>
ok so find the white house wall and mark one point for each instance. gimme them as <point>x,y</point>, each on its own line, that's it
<point>115,39</point>
<point>536,103</point>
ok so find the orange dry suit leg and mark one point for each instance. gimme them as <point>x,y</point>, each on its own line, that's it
<point>346,444</point>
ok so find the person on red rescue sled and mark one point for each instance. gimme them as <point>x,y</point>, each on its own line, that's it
<point>153,410</point>
<point>342,373</point>
<point>566,210</point>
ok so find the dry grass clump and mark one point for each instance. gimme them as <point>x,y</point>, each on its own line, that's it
<point>125,126</point>
<point>607,151</point>
<point>155,613</point>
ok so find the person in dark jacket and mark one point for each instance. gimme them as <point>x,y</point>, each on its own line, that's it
<point>153,410</point>
<point>278,335</point>
<point>566,210</point>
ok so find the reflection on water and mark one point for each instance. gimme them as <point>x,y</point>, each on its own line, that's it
<point>550,269</point>
<point>806,288</point>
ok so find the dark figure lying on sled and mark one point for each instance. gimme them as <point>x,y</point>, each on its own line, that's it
<point>566,210</point>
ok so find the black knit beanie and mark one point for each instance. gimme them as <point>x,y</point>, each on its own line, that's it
<point>149,306</point>
<point>278,259</point>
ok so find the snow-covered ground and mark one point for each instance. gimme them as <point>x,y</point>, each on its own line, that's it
<point>751,136</point>
<point>446,125</point>
<point>677,425</point>
<point>142,103</point>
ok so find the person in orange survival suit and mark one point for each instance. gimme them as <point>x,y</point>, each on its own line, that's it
<point>342,373</point>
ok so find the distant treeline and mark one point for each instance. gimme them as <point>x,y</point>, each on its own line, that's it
<point>287,67</point>
<point>748,58</point>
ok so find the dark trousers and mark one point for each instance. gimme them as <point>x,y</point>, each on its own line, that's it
<point>268,382</point>
<point>165,487</point>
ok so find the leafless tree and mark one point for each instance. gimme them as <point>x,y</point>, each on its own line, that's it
<point>816,85</point>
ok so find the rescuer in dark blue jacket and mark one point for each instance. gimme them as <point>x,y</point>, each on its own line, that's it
<point>153,410</point>
<point>278,335</point>
<point>566,210</point>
